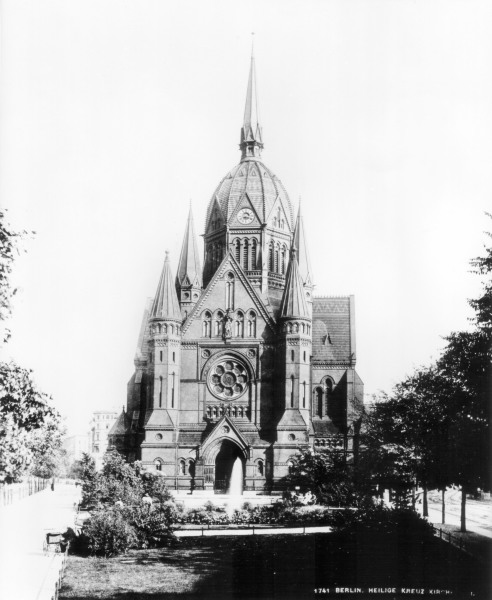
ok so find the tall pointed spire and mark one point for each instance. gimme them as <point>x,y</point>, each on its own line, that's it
<point>300,244</point>
<point>294,304</point>
<point>165,305</point>
<point>189,267</point>
<point>251,137</point>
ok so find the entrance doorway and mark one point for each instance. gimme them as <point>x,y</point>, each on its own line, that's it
<point>229,469</point>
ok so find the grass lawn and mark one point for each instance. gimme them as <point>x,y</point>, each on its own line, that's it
<point>278,567</point>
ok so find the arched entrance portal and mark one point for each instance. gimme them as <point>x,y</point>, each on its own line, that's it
<point>229,469</point>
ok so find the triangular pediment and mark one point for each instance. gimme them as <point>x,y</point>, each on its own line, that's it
<point>240,217</point>
<point>215,216</point>
<point>224,429</point>
<point>274,214</point>
<point>229,264</point>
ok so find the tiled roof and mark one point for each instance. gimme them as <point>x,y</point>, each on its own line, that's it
<point>166,305</point>
<point>332,330</point>
<point>324,428</point>
<point>294,302</point>
<point>121,426</point>
<point>253,178</point>
<point>189,268</point>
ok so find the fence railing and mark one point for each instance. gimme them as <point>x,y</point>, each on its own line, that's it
<point>12,492</point>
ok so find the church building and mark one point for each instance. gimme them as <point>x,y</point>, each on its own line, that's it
<point>238,365</point>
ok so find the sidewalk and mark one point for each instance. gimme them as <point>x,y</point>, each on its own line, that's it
<point>24,569</point>
<point>257,530</point>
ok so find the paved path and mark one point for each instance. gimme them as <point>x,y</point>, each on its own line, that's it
<point>26,573</point>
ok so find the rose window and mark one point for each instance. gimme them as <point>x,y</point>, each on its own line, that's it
<point>228,379</point>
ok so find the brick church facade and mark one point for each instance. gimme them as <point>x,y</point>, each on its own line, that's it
<point>238,361</point>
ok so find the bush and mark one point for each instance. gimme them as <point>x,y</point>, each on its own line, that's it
<point>381,519</point>
<point>107,533</point>
<point>152,524</point>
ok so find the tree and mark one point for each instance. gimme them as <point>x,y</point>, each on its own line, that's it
<point>30,428</point>
<point>467,364</point>
<point>326,474</point>
<point>9,247</point>
<point>408,435</point>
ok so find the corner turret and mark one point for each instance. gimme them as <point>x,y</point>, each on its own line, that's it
<point>189,275</point>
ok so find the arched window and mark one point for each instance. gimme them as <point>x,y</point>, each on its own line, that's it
<point>239,324</point>
<point>191,468</point>
<point>237,248</point>
<point>303,394</point>
<point>159,328</point>
<point>207,318</point>
<point>292,391</point>
<point>173,377</point>
<point>245,254</point>
<point>271,260</point>
<point>329,392</point>
<point>218,323</point>
<point>292,355</point>
<point>229,299</point>
<point>158,464</point>
<point>160,391</point>
<point>182,467</point>
<point>318,402</point>
<point>276,259</point>
<point>282,261</point>
<point>251,324</point>
<point>260,468</point>
<point>253,254</point>
<point>174,356</point>
<point>304,356</point>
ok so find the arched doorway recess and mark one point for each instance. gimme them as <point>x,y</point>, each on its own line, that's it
<point>229,469</point>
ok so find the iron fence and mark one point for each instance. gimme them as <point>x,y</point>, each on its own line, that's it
<point>12,492</point>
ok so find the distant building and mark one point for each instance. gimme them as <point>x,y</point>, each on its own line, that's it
<point>238,365</point>
<point>75,446</point>
<point>100,425</point>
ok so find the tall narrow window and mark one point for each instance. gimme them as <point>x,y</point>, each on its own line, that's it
<point>292,355</point>
<point>207,319</point>
<point>270,258</point>
<point>303,394</point>
<point>253,254</point>
<point>172,390</point>
<point>292,391</point>
<point>319,402</point>
<point>160,355</point>
<point>218,323</point>
<point>282,261</point>
<point>182,467</point>
<point>174,356</point>
<point>304,356</point>
<point>238,251</point>
<point>261,468</point>
<point>239,324</point>
<point>276,260</point>
<point>160,392</point>
<point>329,390</point>
<point>245,255</point>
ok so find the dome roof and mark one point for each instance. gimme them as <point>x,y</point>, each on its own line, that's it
<point>262,187</point>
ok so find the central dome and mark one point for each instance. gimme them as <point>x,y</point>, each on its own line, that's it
<point>262,187</point>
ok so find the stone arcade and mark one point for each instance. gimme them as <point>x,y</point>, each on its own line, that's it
<point>239,361</point>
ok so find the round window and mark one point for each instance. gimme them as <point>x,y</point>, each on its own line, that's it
<point>158,436</point>
<point>228,379</point>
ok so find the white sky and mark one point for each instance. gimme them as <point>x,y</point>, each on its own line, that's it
<point>115,113</point>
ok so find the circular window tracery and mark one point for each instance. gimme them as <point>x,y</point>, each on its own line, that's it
<point>228,379</point>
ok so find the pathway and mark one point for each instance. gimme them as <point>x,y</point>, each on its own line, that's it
<point>26,573</point>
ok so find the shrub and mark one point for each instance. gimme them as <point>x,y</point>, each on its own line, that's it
<point>381,519</point>
<point>152,524</point>
<point>108,533</point>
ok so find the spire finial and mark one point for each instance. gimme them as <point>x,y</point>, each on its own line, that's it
<point>167,256</point>
<point>252,44</point>
<point>251,136</point>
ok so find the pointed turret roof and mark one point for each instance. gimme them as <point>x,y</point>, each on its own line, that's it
<point>300,245</point>
<point>166,305</point>
<point>189,267</point>
<point>251,136</point>
<point>294,303</point>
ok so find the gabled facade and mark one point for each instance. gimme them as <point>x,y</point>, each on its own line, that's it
<point>240,363</point>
